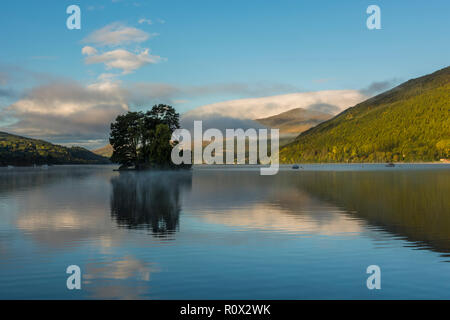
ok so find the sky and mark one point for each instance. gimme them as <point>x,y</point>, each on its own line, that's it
<point>66,86</point>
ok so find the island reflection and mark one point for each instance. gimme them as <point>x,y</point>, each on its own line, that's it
<point>149,200</point>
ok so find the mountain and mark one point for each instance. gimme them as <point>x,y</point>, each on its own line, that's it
<point>242,113</point>
<point>105,151</point>
<point>328,101</point>
<point>294,121</point>
<point>20,151</point>
<point>410,122</point>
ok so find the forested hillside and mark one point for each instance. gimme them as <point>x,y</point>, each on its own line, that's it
<point>21,151</point>
<point>408,123</point>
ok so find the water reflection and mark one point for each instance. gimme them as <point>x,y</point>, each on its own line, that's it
<point>279,237</point>
<point>58,207</point>
<point>23,179</point>
<point>412,205</point>
<point>123,278</point>
<point>149,200</point>
<point>248,201</point>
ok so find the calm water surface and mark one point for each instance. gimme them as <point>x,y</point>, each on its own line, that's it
<point>216,233</point>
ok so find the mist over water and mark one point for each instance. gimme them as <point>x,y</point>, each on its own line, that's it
<point>214,233</point>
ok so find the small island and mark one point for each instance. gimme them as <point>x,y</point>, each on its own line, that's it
<point>142,141</point>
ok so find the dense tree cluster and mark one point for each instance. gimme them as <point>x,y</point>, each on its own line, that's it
<point>143,140</point>
<point>408,123</point>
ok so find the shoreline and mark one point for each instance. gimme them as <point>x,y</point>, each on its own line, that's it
<point>332,166</point>
<point>282,167</point>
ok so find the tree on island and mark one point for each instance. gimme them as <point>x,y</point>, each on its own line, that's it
<point>142,140</point>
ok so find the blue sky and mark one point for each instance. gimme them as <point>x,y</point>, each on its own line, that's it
<point>211,51</point>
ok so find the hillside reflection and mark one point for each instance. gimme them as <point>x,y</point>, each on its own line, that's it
<point>149,200</point>
<point>411,205</point>
<point>28,178</point>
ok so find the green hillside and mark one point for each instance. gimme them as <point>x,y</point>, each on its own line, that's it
<point>408,123</point>
<point>21,151</point>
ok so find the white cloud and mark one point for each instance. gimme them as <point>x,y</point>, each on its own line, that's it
<point>116,34</point>
<point>107,77</point>
<point>256,108</point>
<point>124,60</point>
<point>147,21</point>
<point>89,51</point>
<point>67,111</point>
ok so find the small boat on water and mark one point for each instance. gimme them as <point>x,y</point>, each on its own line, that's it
<point>390,165</point>
<point>295,166</point>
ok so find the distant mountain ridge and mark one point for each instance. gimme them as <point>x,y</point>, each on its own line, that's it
<point>105,151</point>
<point>410,122</point>
<point>295,120</point>
<point>329,101</point>
<point>21,151</point>
<point>241,113</point>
